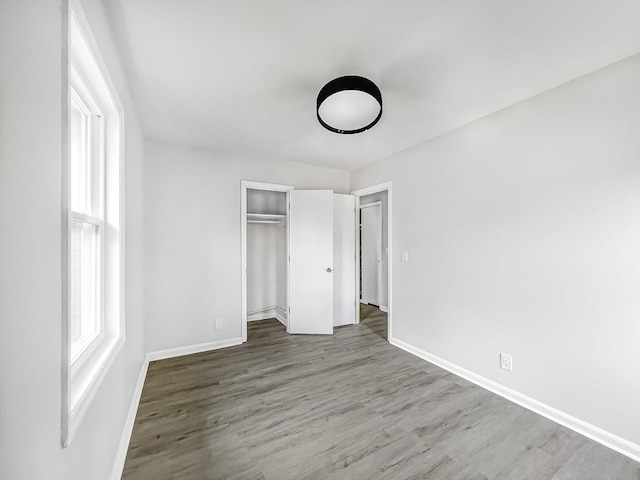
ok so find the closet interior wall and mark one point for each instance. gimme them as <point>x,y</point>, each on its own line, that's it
<point>266,255</point>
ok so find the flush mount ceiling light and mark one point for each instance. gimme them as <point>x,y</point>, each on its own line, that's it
<point>349,104</point>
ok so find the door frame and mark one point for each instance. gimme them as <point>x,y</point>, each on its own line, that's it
<point>378,204</point>
<point>244,186</point>
<point>381,187</point>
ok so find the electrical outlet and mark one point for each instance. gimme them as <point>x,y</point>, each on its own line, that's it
<point>405,256</point>
<point>506,362</point>
<point>218,323</point>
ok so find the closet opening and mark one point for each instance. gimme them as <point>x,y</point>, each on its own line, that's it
<point>265,254</point>
<point>298,255</point>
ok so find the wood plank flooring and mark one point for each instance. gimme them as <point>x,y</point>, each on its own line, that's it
<point>347,406</point>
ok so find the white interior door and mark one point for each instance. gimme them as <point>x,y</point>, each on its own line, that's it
<point>344,254</point>
<point>311,262</point>
<point>370,252</point>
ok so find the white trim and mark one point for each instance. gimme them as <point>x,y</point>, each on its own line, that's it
<point>76,10</point>
<point>593,432</point>
<point>261,314</point>
<point>381,187</point>
<point>65,243</point>
<point>273,311</point>
<point>282,317</point>
<point>81,382</point>
<point>127,430</point>
<point>384,309</point>
<point>244,186</point>
<point>191,349</point>
<point>89,382</point>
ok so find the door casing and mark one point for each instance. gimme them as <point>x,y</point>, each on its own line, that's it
<point>381,187</point>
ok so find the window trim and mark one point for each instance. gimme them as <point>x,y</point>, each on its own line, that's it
<point>83,374</point>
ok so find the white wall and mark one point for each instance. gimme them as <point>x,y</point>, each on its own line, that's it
<point>383,198</point>
<point>281,268</point>
<point>262,265</point>
<point>523,235</point>
<point>30,256</point>
<point>192,238</point>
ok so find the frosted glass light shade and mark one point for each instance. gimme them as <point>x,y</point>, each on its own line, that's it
<point>349,104</point>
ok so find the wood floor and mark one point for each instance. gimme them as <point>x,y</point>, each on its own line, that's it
<point>347,406</point>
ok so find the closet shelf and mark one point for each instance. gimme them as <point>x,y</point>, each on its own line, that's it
<point>265,218</point>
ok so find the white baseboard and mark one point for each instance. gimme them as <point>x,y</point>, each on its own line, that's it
<point>261,314</point>
<point>281,316</point>
<point>188,350</point>
<point>121,453</point>
<point>384,308</point>
<point>593,432</point>
<point>343,324</point>
<point>268,312</point>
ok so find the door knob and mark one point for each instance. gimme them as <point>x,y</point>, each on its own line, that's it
<point>329,270</point>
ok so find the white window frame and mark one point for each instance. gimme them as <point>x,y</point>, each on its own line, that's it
<point>84,368</point>
<point>80,87</point>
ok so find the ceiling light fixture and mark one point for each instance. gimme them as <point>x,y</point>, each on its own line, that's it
<point>349,104</point>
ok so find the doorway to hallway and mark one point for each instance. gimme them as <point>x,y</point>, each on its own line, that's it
<point>371,253</point>
<point>374,255</point>
<point>374,319</point>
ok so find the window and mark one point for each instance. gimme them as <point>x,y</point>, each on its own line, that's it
<point>92,234</point>
<point>86,192</point>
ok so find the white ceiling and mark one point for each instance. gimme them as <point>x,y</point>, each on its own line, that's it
<point>243,75</point>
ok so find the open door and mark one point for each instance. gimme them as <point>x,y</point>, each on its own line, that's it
<point>311,262</point>
<point>370,252</point>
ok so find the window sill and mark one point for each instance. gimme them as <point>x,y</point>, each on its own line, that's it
<point>85,381</point>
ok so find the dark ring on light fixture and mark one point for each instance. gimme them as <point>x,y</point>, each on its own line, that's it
<point>349,82</point>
